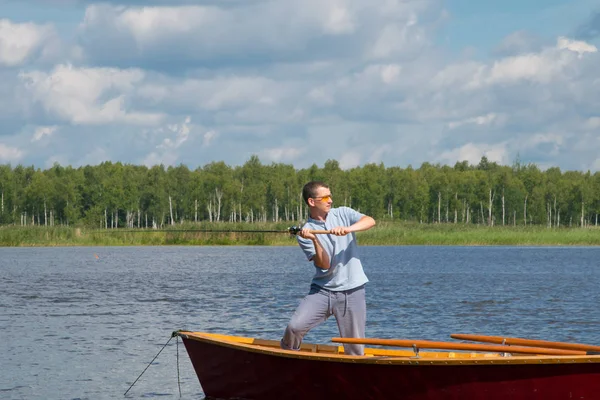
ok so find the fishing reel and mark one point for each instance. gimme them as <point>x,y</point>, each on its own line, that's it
<point>294,230</point>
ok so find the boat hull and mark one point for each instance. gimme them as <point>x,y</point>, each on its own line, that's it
<point>229,372</point>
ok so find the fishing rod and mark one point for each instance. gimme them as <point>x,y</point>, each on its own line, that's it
<point>292,230</point>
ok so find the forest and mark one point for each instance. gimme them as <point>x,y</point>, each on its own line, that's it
<point>116,195</point>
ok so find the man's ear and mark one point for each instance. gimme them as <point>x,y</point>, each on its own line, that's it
<point>311,202</point>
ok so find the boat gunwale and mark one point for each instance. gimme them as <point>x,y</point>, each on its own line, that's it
<point>220,340</point>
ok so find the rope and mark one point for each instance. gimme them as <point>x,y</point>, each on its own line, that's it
<point>148,365</point>
<point>178,381</point>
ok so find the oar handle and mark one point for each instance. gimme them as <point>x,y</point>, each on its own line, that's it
<point>427,344</point>
<point>525,342</point>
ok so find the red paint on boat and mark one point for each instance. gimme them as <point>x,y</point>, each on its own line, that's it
<point>228,372</point>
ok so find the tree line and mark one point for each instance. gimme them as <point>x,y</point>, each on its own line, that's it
<point>116,195</point>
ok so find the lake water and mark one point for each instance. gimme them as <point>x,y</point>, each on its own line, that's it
<point>83,323</point>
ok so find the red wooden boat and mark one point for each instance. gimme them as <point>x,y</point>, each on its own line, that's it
<point>233,367</point>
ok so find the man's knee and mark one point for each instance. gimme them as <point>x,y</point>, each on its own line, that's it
<point>296,328</point>
<point>292,337</point>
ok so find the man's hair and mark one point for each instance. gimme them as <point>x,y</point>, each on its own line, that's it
<point>310,189</point>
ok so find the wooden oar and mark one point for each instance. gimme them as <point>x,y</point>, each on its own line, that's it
<point>427,344</point>
<point>525,342</point>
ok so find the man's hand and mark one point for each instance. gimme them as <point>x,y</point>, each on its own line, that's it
<point>321,258</point>
<point>305,233</point>
<point>340,231</point>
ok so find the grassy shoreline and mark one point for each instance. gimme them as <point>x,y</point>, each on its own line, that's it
<point>384,234</point>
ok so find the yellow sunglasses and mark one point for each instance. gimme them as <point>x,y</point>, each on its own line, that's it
<point>324,199</point>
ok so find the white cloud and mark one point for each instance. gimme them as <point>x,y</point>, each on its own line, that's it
<point>350,80</point>
<point>338,19</point>
<point>42,131</point>
<point>287,30</point>
<point>321,95</point>
<point>182,133</point>
<point>205,32</point>
<point>394,39</point>
<point>21,42</point>
<point>282,154</point>
<point>350,159</point>
<point>543,66</point>
<point>577,46</point>
<point>519,42</point>
<point>209,137</point>
<point>87,95</point>
<point>529,66</point>
<point>545,138</point>
<point>472,153</point>
<point>166,144</point>
<point>149,23</point>
<point>383,73</point>
<point>592,123</point>
<point>237,91</point>
<point>61,159</point>
<point>458,75</point>
<point>379,153</point>
<point>218,93</point>
<point>390,73</point>
<point>155,158</point>
<point>552,143</point>
<point>487,119</point>
<point>96,156</point>
<point>10,154</point>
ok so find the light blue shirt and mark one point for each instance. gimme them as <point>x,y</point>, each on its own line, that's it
<point>346,271</point>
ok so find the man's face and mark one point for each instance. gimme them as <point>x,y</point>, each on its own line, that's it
<point>322,200</point>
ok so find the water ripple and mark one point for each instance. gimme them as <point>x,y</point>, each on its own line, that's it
<point>76,327</point>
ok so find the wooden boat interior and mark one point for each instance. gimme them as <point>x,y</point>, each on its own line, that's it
<point>324,349</point>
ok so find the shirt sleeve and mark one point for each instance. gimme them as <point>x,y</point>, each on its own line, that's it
<point>307,246</point>
<point>351,215</point>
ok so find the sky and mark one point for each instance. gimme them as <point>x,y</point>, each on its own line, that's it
<point>300,82</point>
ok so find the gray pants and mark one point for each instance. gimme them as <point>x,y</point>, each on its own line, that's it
<point>349,308</point>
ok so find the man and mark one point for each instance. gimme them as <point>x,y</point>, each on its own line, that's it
<point>338,286</point>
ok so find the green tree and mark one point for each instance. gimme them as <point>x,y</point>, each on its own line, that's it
<point>6,188</point>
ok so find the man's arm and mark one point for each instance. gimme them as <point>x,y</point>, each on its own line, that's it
<point>363,224</point>
<point>321,258</point>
